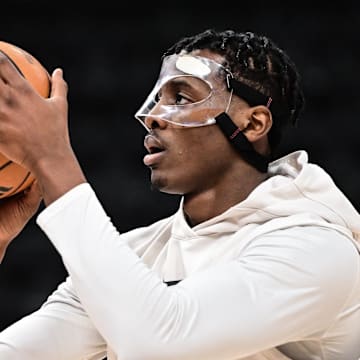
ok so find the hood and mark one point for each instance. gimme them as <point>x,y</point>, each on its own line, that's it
<point>294,187</point>
<point>311,189</point>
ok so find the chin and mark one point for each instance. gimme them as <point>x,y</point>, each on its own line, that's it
<point>158,183</point>
<point>163,186</point>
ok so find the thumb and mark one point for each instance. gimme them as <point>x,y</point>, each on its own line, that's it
<point>58,84</point>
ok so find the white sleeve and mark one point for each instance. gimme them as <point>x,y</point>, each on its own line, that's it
<point>59,330</point>
<point>280,291</point>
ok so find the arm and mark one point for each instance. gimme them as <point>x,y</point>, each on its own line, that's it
<point>59,330</point>
<point>228,311</point>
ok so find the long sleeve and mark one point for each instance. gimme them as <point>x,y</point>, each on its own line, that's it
<point>231,310</point>
<point>59,330</point>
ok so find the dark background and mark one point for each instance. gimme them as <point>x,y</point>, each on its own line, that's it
<point>110,54</point>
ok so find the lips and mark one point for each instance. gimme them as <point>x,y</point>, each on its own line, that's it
<point>153,144</point>
<point>155,149</point>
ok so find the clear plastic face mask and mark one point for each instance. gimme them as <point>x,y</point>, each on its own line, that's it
<point>190,92</point>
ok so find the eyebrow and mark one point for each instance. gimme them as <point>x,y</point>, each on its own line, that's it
<point>188,85</point>
<point>180,82</point>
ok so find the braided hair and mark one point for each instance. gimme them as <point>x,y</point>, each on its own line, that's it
<point>259,63</point>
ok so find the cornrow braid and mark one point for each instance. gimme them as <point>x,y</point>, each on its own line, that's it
<point>259,63</point>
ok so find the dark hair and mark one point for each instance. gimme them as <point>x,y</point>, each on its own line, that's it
<point>259,63</point>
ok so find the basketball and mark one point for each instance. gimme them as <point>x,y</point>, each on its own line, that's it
<point>13,177</point>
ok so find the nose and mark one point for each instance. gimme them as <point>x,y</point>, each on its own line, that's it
<point>152,122</point>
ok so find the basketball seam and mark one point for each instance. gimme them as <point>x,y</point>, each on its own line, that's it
<point>12,61</point>
<point>21,184</point>
<point>18,69</point>
<point>5,165</point>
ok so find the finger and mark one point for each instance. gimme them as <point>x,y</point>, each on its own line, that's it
<point>9,72</point>
<point>58,84</point>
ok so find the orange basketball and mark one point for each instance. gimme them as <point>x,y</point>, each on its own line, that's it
<point>13,177</point>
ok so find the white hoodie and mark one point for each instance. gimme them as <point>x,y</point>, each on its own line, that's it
<point>276,276</point>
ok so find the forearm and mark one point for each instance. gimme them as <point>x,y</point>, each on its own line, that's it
<point>59,330</point>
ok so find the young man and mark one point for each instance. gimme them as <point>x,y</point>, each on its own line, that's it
<point>261,261</point>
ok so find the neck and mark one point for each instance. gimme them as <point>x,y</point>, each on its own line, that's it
<point>206,204</point>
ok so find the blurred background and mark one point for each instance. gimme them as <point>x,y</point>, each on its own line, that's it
<point>110,53</point>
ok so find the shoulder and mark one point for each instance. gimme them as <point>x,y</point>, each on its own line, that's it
<point>313,257</point>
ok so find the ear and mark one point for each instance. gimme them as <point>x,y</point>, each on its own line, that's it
<point>259,123</point>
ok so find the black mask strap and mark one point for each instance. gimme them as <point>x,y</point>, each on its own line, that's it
<point>241,143</point>
<point>250,95</point>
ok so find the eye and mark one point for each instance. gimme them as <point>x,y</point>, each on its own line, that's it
<point>182,90</point>
<point>180,99</point>
<point>172,98</point>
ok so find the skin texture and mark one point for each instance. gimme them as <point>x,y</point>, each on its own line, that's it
<point>202,165</point>
<point>198,163</point>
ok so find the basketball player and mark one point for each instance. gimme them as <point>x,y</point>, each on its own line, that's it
<point>261,260</point>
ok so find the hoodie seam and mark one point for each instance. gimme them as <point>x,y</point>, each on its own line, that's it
<point>345,224</point>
